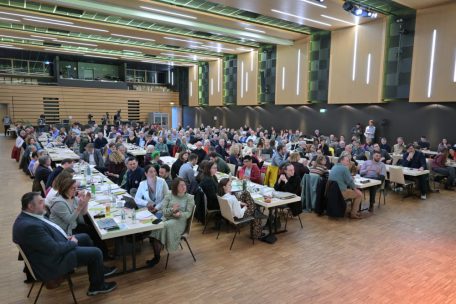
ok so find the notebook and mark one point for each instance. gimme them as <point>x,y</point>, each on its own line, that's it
<point>107,224</point>
<point>283,195</point>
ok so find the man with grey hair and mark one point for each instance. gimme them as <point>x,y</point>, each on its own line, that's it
<point>340,173</point>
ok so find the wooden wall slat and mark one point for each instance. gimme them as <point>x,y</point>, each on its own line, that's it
<point>26,102</point>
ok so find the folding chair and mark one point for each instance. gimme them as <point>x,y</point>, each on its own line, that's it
<point>29,266</point>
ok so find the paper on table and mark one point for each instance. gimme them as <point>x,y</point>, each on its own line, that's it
<point>144,214</point>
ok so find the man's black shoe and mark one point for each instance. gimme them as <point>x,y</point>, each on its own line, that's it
<point>105,288</point>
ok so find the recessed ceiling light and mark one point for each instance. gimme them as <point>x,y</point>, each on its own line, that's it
<point>218,48</point>
<point>96,56</point>
<point>255,30</point>
<point>68,25</point>
<point>244,49</point>
<point>64,51</point>
<point>39,18</point>
<point>314,3</point>
<point>299,17</point>
<point>42,37</point>
<point>337,19</point>
<point>9,46</point>
<point>133,37</point>
<point>79,43</point>
<point>167,12</point>
<point>9,19</point>
<point>183,40</point>
<point>179,55</point>
<point>24,38</point>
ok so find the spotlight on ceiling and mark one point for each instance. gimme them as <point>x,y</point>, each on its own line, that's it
<point>358,10</point>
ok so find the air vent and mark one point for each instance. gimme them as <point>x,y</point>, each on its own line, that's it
<point>67,10</point>
<point>202,34</point>
<point>248,14</point>
<point>56,31</point>
<point>172,46</point>
<point>51,44</point>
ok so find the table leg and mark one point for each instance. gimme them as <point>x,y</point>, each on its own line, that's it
<point>124,254</point>
<point>270,238</point>
<point>133,252</point>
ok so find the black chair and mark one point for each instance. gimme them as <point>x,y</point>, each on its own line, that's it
<point>29,267</point>
<point>185,237</point>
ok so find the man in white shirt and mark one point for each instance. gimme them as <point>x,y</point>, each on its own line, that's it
<point>369,133</point>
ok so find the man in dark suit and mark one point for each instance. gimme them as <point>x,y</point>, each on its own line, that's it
<point>100,141</point>
<point>52,253</point>
<point>135,174</point>
<point>416,159</point>
<point>221,149</point>
<point>200,152</point>
<point>65,164</point>
<point>93,156</point>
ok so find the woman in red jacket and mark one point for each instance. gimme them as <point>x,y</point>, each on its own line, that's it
<point>250,171</point>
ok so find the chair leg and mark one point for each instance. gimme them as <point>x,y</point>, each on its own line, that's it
<point>190,249</point>
<point>206,219</point>
<point>167,258</point>
<point>232,242</point>
<point>300,222</point>
<point>286,219</point>
<point>70,284</point>
<point>30,291</point>
<point>219,228</point>
<point>39,292</point>
<point>180,244</point>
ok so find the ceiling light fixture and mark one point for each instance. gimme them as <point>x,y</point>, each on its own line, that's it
<point>23,38</point>
<point>64,51</point>
<point>183,40</point>
<point>315,3</point>
<point>299,17</point>
<point>132,37</point>
<point>34,17</point>
<point>42,37</point>
<point>9,19</point>
<point>78,43</point>
<point>255,30</point>
<point>104,57</point>
<point>9,46</point>
<point>218,48</point>
<point>337,19</point>
<point>244,49</point>
<point>167,12</point>
<point>68,25</point>
<point>358,10</point>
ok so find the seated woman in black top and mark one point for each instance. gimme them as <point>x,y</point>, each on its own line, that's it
<point>183,157</point>
<point>209,185</point>
<point>289,182</point>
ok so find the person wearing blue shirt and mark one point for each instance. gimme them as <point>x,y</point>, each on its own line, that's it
<point>416,160</point>
<point>373,169</point>
<point>280,156</point>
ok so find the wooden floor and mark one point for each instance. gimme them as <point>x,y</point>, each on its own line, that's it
<point>405,253</point>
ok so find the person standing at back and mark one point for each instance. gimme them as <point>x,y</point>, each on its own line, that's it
<point>369,133</point>
<point>6,123</point>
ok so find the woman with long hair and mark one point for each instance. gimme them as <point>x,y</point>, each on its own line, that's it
<point>242,207</point>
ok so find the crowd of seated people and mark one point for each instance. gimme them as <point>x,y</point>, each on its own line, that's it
<point>168,191</point>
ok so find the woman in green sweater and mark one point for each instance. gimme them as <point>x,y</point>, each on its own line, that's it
<point>177,208</point>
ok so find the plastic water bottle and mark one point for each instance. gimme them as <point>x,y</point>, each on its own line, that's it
<point>109,188</point>
<point>133,216</point>
<point>88,170</point>
<point>123,215</point>
<point>93,189</point>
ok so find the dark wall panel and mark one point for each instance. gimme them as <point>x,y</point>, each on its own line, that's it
<point>399,118</point>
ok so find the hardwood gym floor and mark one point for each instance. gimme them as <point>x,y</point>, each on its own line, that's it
<point>405,253</point>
